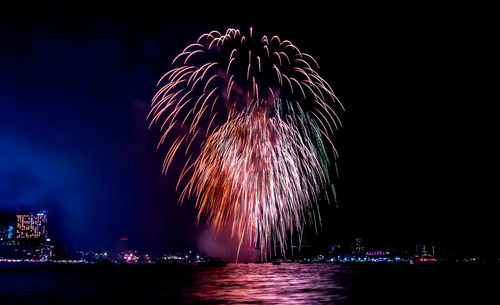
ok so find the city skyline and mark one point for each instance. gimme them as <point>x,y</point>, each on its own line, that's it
<point>29,226</point>
<point>27,239</point>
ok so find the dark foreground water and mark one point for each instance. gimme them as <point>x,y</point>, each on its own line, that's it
<point>250,284</point>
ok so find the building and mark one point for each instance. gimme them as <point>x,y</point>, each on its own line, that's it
<point>7,232</point>
<point>357,248</point>
<point>32,225</point>
<point>424,250</point>
<point>122,245</point>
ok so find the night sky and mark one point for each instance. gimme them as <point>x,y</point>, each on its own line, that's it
<point>75,87</point>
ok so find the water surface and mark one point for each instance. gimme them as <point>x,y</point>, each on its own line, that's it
<point>249,284</point>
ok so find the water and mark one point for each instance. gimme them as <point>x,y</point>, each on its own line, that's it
<point>270,284</point>
<point>248,284</point>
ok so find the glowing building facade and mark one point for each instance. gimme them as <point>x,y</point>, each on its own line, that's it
<point>32,225</point>
<point>7,232</point>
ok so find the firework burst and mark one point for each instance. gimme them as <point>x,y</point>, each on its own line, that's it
<point>251,116</point>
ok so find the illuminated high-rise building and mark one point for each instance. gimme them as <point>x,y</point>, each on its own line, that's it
<point>32,225</point>
<point>7,232</point>
<point>357,247</point>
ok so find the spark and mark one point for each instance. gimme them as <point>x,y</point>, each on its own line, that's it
<point>262,165</point>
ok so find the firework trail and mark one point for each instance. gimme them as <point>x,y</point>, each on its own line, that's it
<point>252,116</point>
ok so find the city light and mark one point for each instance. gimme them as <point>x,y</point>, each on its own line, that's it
<point>32,225</point>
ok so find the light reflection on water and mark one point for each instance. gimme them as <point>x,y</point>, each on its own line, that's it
<point>176,284</point>
<point>249,284</point>
<point>271,284</point>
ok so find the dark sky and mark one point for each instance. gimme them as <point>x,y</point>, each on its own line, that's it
<point>75,87</point>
